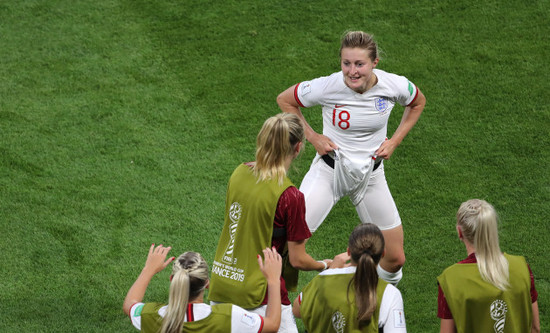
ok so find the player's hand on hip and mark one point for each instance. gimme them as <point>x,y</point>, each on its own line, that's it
<point>386,149</point>
<point>323,145</point>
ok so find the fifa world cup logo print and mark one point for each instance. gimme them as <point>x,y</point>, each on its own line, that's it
<point>235,212</point>
<point>498,313</point>
<point>338,322</point>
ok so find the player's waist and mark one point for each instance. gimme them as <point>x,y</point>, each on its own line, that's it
<point>330,162</point>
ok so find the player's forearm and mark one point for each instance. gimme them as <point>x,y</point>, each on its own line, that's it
<point>296,308</point>
<point>288,104</point>
<point>410,118</point>
<point>535,324</point>
<point>272,318</point>
<point>137,291</point>
<point>306,263</point>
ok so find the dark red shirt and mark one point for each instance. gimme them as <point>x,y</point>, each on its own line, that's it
<point>291,215</point>
<point>443,310</point>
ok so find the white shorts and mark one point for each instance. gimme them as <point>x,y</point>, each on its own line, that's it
<point>288,324</point>
<point>376,207</point>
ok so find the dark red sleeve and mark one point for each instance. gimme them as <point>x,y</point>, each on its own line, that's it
<point>534,293</point>
<point>443,310</point>
<point>291,214</point>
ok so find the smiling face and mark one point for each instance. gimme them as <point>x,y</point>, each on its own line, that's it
<point>357,67</point>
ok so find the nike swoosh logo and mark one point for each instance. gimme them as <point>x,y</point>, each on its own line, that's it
<point>336,106</point>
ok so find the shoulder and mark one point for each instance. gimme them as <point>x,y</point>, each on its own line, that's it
<point>514,258</point>
<point>292,193</point>
<point>391,292</point>
<point>338,271</point>
<point>244,321</point>
<point>391,80</point>
<point>332,82</point>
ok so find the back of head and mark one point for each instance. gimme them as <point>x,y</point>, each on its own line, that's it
<point>366,246</point>
<point>277,141</point>
<point>362,40</point>
<point>189,278</point>
<point>478,221</point>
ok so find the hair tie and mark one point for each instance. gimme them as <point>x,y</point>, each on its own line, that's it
<point>367,252</point>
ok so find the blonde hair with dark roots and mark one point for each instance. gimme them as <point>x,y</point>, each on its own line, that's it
<point>189,278</point>
<point>478,221</point>
<point>366,246</point>
<point>275,142</point>
<point>362,40</point>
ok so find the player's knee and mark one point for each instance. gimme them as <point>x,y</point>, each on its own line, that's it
<point>395,262</point>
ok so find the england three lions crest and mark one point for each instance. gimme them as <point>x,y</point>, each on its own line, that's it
<point>381,104</point>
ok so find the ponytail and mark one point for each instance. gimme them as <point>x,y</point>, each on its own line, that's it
<point>366,245</point>
<point>275,142</point>
<point>479,224</point>
<point>177,302</point>
<point>189,278</point>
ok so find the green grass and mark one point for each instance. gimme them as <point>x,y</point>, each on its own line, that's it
<point>121,122</point>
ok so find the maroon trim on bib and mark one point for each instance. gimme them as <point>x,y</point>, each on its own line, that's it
<point>296,95</point>
<point>190,315</point>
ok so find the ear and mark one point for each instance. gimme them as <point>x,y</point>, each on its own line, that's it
<point>459,231</point>
<point>207,284</point>
<point>349,252</point>
<point>375,62</point>
<point>299,146</point>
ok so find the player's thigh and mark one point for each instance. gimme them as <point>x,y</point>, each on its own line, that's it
<point>393,239</point>
<point>377,205</point>
<point>317,187</point>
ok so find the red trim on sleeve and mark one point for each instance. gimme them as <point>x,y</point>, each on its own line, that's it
<point>296,95</point>
<point>130,312</point>
<point>415,96</point>
<point>190,315</point>
<point>261,324</point>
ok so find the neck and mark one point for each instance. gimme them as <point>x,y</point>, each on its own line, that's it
<point>198,299</point>
<point>469,247</point>
<point>372,82</point>
<point>288,162</point>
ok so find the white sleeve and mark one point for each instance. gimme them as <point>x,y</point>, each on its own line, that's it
<point>310,93</point>
<point>244,321</point>
<point>135,315</point>
<point>392,316</point>
<point>406,90</point>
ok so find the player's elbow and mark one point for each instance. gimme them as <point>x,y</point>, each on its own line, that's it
<point>281,101</point>
<point>271,325</point>
<point>298,262</point>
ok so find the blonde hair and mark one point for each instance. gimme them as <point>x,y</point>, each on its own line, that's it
<point>478,221</point>
<point>189,278</point>
<point>362,40</point>
<point>366,246</point>
<point>275,142</point>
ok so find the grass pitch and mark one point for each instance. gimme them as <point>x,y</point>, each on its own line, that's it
<point>121,122</point>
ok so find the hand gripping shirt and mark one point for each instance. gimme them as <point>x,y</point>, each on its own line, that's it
<point>357,123</point>
<point>199,317</point>
<point>250,210</point>
<point>478,306</point>
<point>327,305</point>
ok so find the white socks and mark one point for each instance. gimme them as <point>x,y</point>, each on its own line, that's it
<point>392,278</point>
